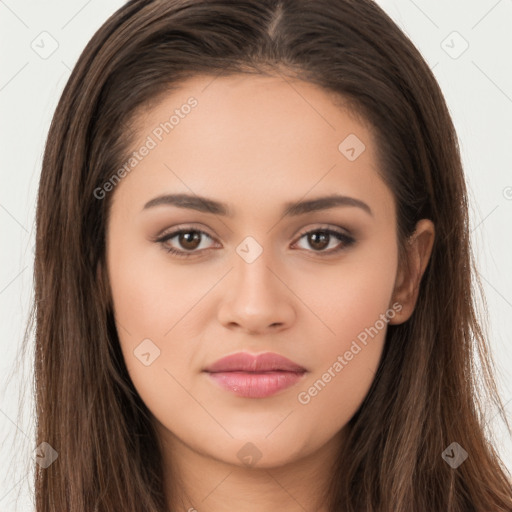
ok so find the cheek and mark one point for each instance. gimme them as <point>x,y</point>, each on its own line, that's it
<point>157,306</point>
<point>355,306</point>
<point>150,294</point>
<point>151,304</point>
<point>350,296</point>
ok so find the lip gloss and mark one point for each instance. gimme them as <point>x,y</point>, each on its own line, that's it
<point>256,385</point>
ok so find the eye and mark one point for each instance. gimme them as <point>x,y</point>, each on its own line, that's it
<point>321,238</point>
<point>191,240</point>
<point>188,238</point>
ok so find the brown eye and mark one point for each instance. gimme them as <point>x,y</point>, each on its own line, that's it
<point>188,242</point>
<point>320,239</point>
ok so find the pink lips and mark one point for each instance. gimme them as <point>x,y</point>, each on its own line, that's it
<point>255,376</point>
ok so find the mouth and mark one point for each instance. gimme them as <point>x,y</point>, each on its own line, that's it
<point>257,376</point>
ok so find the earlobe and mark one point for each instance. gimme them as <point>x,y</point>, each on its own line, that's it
<point>407,284</point>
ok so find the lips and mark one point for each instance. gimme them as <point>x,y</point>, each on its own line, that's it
<point>244,362</point>
<point>257,376</point>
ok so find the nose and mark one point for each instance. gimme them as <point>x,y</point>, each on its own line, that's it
<point>257,298</point>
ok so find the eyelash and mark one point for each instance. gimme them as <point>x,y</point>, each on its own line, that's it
<point>347,241</point>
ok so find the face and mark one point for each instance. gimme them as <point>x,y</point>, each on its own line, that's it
<point>254,275</point>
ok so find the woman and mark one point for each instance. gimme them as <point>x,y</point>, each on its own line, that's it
<point>253,271</point>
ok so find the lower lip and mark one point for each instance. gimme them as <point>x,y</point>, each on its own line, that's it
<point>256,385</point>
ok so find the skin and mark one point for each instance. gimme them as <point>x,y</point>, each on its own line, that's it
<point>254,143</point>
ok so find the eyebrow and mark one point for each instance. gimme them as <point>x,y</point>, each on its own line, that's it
<point>291,209</point>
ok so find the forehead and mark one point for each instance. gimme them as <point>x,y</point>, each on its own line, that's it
<point>245,110</point>
<point>253,136</point>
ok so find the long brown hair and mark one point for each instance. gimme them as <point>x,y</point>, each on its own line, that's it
<point>436,373</point>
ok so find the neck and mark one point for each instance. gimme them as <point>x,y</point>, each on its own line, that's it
<point>196,482</point>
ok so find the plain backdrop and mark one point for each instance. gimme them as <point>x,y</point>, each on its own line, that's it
<point>468,44</point>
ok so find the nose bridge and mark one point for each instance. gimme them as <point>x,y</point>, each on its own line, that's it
<point>253,264</point>
<point>257,299</point>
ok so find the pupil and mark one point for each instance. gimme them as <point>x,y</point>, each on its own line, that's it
<point>315,236</point>
<point>186,239</point>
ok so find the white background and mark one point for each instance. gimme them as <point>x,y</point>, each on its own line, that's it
<point>478,89</point>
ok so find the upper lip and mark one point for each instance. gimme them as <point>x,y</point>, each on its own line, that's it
<point>245,362</point>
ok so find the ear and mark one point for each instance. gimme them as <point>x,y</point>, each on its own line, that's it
<point>407,282</point>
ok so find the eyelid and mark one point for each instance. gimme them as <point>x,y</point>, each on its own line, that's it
<point>346,239</point>
<point>326,227</point>
<point>176,229</point>
<point>181,227</point>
